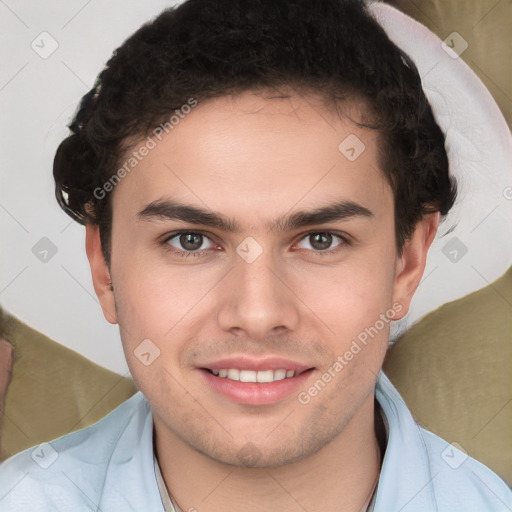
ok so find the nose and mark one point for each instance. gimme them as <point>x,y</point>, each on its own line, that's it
<point>258,300</point>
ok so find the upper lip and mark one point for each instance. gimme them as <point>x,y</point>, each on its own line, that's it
<point>251,363</point>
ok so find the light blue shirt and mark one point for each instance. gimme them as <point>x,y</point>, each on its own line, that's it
<point>109,467</point>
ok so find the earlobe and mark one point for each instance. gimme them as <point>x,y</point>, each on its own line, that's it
<point>100,273</point>
<point>411,263</point>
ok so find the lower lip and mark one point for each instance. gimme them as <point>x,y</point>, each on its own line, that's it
<point>254,393</point>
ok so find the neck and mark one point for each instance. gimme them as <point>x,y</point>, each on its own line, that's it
<point>340,476</point>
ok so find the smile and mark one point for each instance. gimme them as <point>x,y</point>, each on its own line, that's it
<point>250,381</point>
<point>254,376</point>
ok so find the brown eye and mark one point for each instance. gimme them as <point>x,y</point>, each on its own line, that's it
<point>189,241</point>
<point>322,241</point>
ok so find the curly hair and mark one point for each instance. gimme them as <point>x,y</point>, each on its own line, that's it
<point>209,48</point>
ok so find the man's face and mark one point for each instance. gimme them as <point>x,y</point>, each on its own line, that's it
<point>267,297</point>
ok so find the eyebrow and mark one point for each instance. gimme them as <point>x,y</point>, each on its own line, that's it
<point>168,209</point>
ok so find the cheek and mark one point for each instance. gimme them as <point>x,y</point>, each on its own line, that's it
<point>350,296</point>
<point>152,296</point>
<point>355,301</point>
<point>167,304</point>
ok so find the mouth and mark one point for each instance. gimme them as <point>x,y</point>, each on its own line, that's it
<point>260,376</point>
<point>252,382</point>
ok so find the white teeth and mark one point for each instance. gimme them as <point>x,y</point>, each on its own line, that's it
<point>233,374</point>
<point>280,374</point>
<point>254,376</point>
<point>247,376</point>
<point>265,376</point>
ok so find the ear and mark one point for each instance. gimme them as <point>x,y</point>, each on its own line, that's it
<point>100,273</point>
<point>411,263</point>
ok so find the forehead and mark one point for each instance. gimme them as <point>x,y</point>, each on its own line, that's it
<point>256,153</point>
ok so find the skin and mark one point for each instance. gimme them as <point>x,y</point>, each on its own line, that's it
<point>254,159</point>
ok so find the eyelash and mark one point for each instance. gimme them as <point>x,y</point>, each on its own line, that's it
<point>186,254</point>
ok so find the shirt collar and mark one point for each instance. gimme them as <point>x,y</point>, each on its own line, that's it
<point>405,482</point>
<point>167,501</point>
